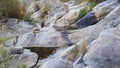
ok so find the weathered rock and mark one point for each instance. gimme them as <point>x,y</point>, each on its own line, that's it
<point>104,51</point>
<point>49,37</point>
<point>106,6</point>
<point>34,6</point>
<point>36,16</point>
<point>87,20</point>
<point>26,58</point>
<point>70,17</point>
<point>16,50</point>
<point>19,27</point>
<point>57,63</point>
<point>91,33</point>
<point>7,38</point>
<point>25,39</point>
<point>57,10</point>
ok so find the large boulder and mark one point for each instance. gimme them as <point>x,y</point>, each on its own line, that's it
<point>49,37</point>
<point>26,58</point>
<point>89,19</point>
<point>104,51</point>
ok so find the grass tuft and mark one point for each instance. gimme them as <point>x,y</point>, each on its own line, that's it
<point>15,10</point>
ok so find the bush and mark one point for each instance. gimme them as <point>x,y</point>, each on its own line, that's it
<point>44,14</point>
<point>16,10</point>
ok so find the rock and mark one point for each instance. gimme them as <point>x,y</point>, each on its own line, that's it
<point>25,39</point>
<point>106,6</point>
<point>57,63</point>
<point>49,37</point>
<point>87,20</point>
<point>79,66</point>
<point>26,58</point>
<point>17,26</point>
<point>57,10</point>
<point>26,2</point>
<point>34,6</point>
<point>69,18</point>
<point>7,38</point>
<point>16,50</point>
<point>104,51</point>
<point>90,33</point>
<point>36,16</point>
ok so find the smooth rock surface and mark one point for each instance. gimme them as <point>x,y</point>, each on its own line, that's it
<point>49,37</point>
<point>25,39</point>
<point>104,51</point>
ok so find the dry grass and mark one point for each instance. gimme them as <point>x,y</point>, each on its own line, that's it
<point>15,10</point>
<point>44,13</point>
<point>78,50</point>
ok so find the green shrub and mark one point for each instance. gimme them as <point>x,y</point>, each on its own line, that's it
<point>85,10</point>
<point>16,10</point>
<point>92,5</point>
<point>82,12</point>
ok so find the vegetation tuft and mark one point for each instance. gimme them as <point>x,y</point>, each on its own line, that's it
<point>15,10</point>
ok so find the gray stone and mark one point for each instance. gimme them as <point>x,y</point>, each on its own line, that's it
<point>25,39</point>
<point>104,51</point>
<point>70,17</point>
<point>8,38</point>
<point>26,58</point>
<point>57,63</point>
<point>49,37</point>
<point>88,20</point>
<point>106,6</point>
<point>18,26</point>
<point>57,10</point>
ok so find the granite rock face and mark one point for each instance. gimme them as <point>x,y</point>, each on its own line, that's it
<point>104,51</point>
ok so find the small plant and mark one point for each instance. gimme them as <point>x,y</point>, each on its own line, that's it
<point>4,38</point>
<point>37,7</point>
<point>5,57</point>
<point>44,14</point>
<point>29,20</point>
<point>82,12</point>
<point>22,66</point>
<point>78,50</point>
<point>92,5</point>
<point>103,15</point>
<point>85,10</point>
